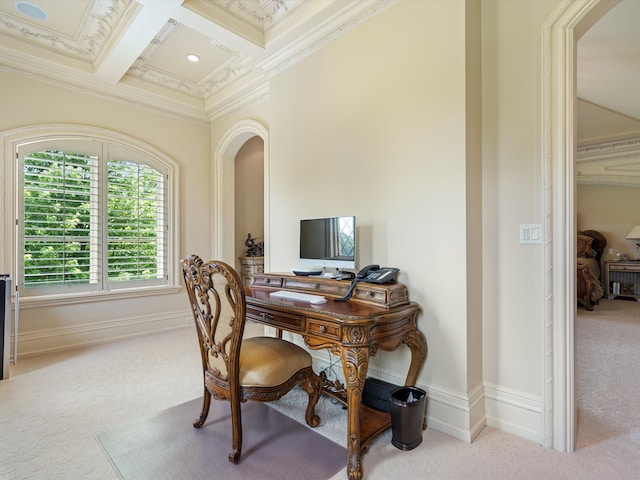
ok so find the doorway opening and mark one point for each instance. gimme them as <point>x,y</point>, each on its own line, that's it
<point>560,35</point>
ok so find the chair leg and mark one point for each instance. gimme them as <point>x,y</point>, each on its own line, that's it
<point>206,403</point>
<point>312,384</point>
<point>236,430</point>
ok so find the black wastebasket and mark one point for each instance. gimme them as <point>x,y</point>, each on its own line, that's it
<point>407,417</point>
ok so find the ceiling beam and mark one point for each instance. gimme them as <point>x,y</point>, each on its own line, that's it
<point>217,33</point>
<point>146,19</point>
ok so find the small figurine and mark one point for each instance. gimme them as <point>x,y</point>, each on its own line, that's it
<point>254,249</point>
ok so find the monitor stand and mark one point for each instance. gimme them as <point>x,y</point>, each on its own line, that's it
<point>326,274</point>
<point>338,275</point>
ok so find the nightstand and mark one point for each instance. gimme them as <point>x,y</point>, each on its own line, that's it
<point>623,278</point>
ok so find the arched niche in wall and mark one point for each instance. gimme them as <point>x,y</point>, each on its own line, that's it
<point>224,187</point>
<point>249,197</point>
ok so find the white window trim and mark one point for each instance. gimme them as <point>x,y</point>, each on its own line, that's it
<point>9,141</point>
<point>89,297</point>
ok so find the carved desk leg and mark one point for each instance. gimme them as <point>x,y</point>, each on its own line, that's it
<point>417,343</point>
<point>355,362</point>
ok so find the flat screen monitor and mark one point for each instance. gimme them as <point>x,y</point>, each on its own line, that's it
<point>328,242</point>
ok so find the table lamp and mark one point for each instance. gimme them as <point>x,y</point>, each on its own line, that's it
<point>634,234</point>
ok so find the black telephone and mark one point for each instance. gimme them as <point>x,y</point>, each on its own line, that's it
<point>371,274</point>
<point>375,274</point>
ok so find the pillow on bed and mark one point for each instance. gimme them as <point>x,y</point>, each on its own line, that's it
<point>583,247</point>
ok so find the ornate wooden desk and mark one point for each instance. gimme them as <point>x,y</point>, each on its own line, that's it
<point>378,317</point>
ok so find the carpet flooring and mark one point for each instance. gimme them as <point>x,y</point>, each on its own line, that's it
<point>166,446</point>
<point>53,405</point>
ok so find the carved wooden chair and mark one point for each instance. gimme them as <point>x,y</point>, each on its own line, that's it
<point>237,369</point>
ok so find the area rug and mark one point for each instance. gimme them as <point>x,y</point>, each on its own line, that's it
<point>165,446</point>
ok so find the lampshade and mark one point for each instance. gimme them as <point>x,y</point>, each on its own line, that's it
<point>634,234</point>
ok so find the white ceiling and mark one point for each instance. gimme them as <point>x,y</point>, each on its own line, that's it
<point>135,50</point>
<point>609,61</point>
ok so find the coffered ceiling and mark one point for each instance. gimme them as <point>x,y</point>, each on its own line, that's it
<point>136,50</point>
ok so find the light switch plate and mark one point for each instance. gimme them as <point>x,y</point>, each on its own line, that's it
<point>530,233</point>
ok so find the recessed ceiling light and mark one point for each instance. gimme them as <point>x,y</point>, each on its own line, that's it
<point>193,57</point>
<point>31,10</point>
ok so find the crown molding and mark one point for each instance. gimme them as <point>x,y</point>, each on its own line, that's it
<point>609,163</point>
<point>245,99</point>
<point>236,86</point>
<point>351,16</point>
<point>54,74</point>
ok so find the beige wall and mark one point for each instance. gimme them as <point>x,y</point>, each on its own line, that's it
<point>513,189</point>
<point>386,127</point>
<point>512,194</point>
<point>366,128</point>
<point>612,210</point>
<point>474,244</point>
<point>383,123</point>
<point>28,102</point>
<point>249,194</point>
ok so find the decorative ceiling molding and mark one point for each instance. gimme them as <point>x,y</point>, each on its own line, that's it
<point>129,49</point>
<point>91,38</point>
<point>322,34</point>
<point>82,82</point>
<point>157,41</point>
<point>141,69</point>
<point>259,13</point>
<point>228,72</point>
<point>609,163</point>
<point>232,105</point>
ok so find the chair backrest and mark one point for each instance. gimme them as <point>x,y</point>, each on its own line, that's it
<point>218,306</point>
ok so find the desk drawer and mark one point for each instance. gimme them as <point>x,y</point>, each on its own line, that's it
<point>371,295</point>
<point>276,318</point>
<point>308,285</point>
<point>624,268</point>
<point>260,280</point>
<point>324,329</point>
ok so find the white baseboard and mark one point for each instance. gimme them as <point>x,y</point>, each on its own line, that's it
<point>459,416</point>
<point>515,412</point>
<point>65,338</point>
<point>464,416</point>
<point>450,413</point>
<point>477,412</point>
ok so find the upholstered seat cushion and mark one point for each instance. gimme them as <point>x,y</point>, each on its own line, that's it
<point>269,361</point>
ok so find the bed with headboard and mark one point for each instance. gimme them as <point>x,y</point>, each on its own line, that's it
<point>590,247</point>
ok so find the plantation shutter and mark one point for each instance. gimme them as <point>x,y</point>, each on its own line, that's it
<point>93,216</point>
<point>137,223</point>
<point>60,215</point>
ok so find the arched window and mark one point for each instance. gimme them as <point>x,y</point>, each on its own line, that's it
<point>93,215</point>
